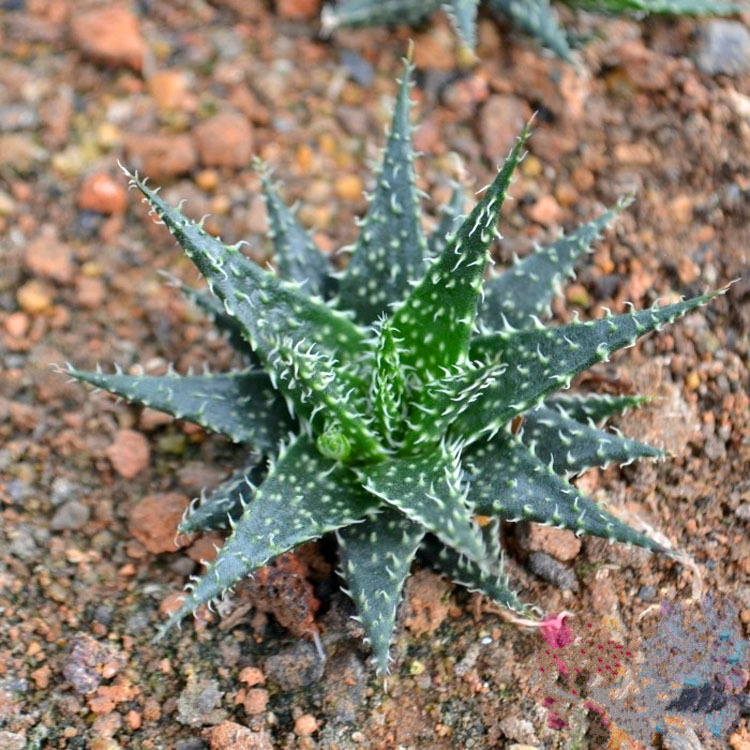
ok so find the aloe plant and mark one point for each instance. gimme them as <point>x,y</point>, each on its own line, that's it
<point>387,397</point>
<point>537,18</point>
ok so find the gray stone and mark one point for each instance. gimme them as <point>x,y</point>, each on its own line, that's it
<point>197,702</point>
<point>62,490</point>
<point>519,730</point>
<point>18,117</point>
<point>297,667</point>
<point>345,679</point>
<point>194,743</point>
<point>12,741</point>
<point>725,48</point>
<point>22,543</point>
<point>552,571</point>
<point>681,739</point>
<point>71,515</point>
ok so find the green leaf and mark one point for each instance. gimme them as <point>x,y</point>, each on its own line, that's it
<point>427,489</point>
<point>507,480</point>
<point>492,581</point>
<point>527,289</point>
<point>214,310</point>
<point>317,389</point>
<point>437,319</point>
<point>264,306</point>
<point>573,447</point>
<point>450,214</point>
<point>442,401</point>
<point>299,258</point>
<point>538,19</point>
<point>665,7</point>
<point>375,559</point>
<point>542,360</point>
<point>241,405</point>
<point>391,245</point>
<point>387,386</point>
<point>304,496</point>
<point>463,15</point>
<point>374,12</point>
<point>225,504</point>
<point>593,407</point>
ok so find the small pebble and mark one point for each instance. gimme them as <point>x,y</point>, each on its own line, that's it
<point>231,736</point>
<point>725,48</point>
<point>72,515</point>
<point>102,193</point>
<point>305,725</point>
<point>17,324</point>
<point>197,702</point>
<point>154,520</point>
<point>550,570</point>
<point>225,140</point>
<point>252,676</point>
<point>109,35</point>
<point>348,187</point>
<point>256,701</point>
<point>546,211</point>
<point>168,88</point>
<point>129,453</point>
<point>35,297</point>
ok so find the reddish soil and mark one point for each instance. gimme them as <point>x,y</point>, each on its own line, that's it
<point>88,563</point>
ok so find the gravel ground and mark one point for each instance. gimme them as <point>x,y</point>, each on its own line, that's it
<point>90,489</point>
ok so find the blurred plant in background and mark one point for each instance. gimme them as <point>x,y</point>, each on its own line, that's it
<point>537,18</point>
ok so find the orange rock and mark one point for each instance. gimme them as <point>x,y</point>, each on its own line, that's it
<point>153,521</point>
<point>171,603</point>
<point>583,179</point>
<point>560,543</point>
<point>205,548</point>
<point>109,35</point>
<point>151,710</point>
<point>150,419</point>
<point>41,676</point>
<point>298,8</point>
<point>740,740</point>
<point>500,121</point>
<point>168,88</point>
<point>134,719</point>
<point>252,676</point>
<point>46,256</point>
<point>129,453</point>
<point>305,725</point>
<point>619,740</point>
<point>256,701</point>
<point>427,603</point>
<point>681,209</point>
<point>101,193</point>
<point>161,156</point>
<point>35,297</point>
<point>17,324</point>
<point>108,696</point>
<point>638,154</point>
<point>231,736</point>
<point>90,292</point>
<point>224,140</point>
<point>283,589</point>
<point>546,211</point>
<point>348,187</point>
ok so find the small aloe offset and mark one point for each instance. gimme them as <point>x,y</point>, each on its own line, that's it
<point>537,18</point>
<point>386,399</point>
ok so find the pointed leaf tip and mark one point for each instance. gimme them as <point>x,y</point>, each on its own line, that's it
<point>391,245</point>
<point>437,319</point>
